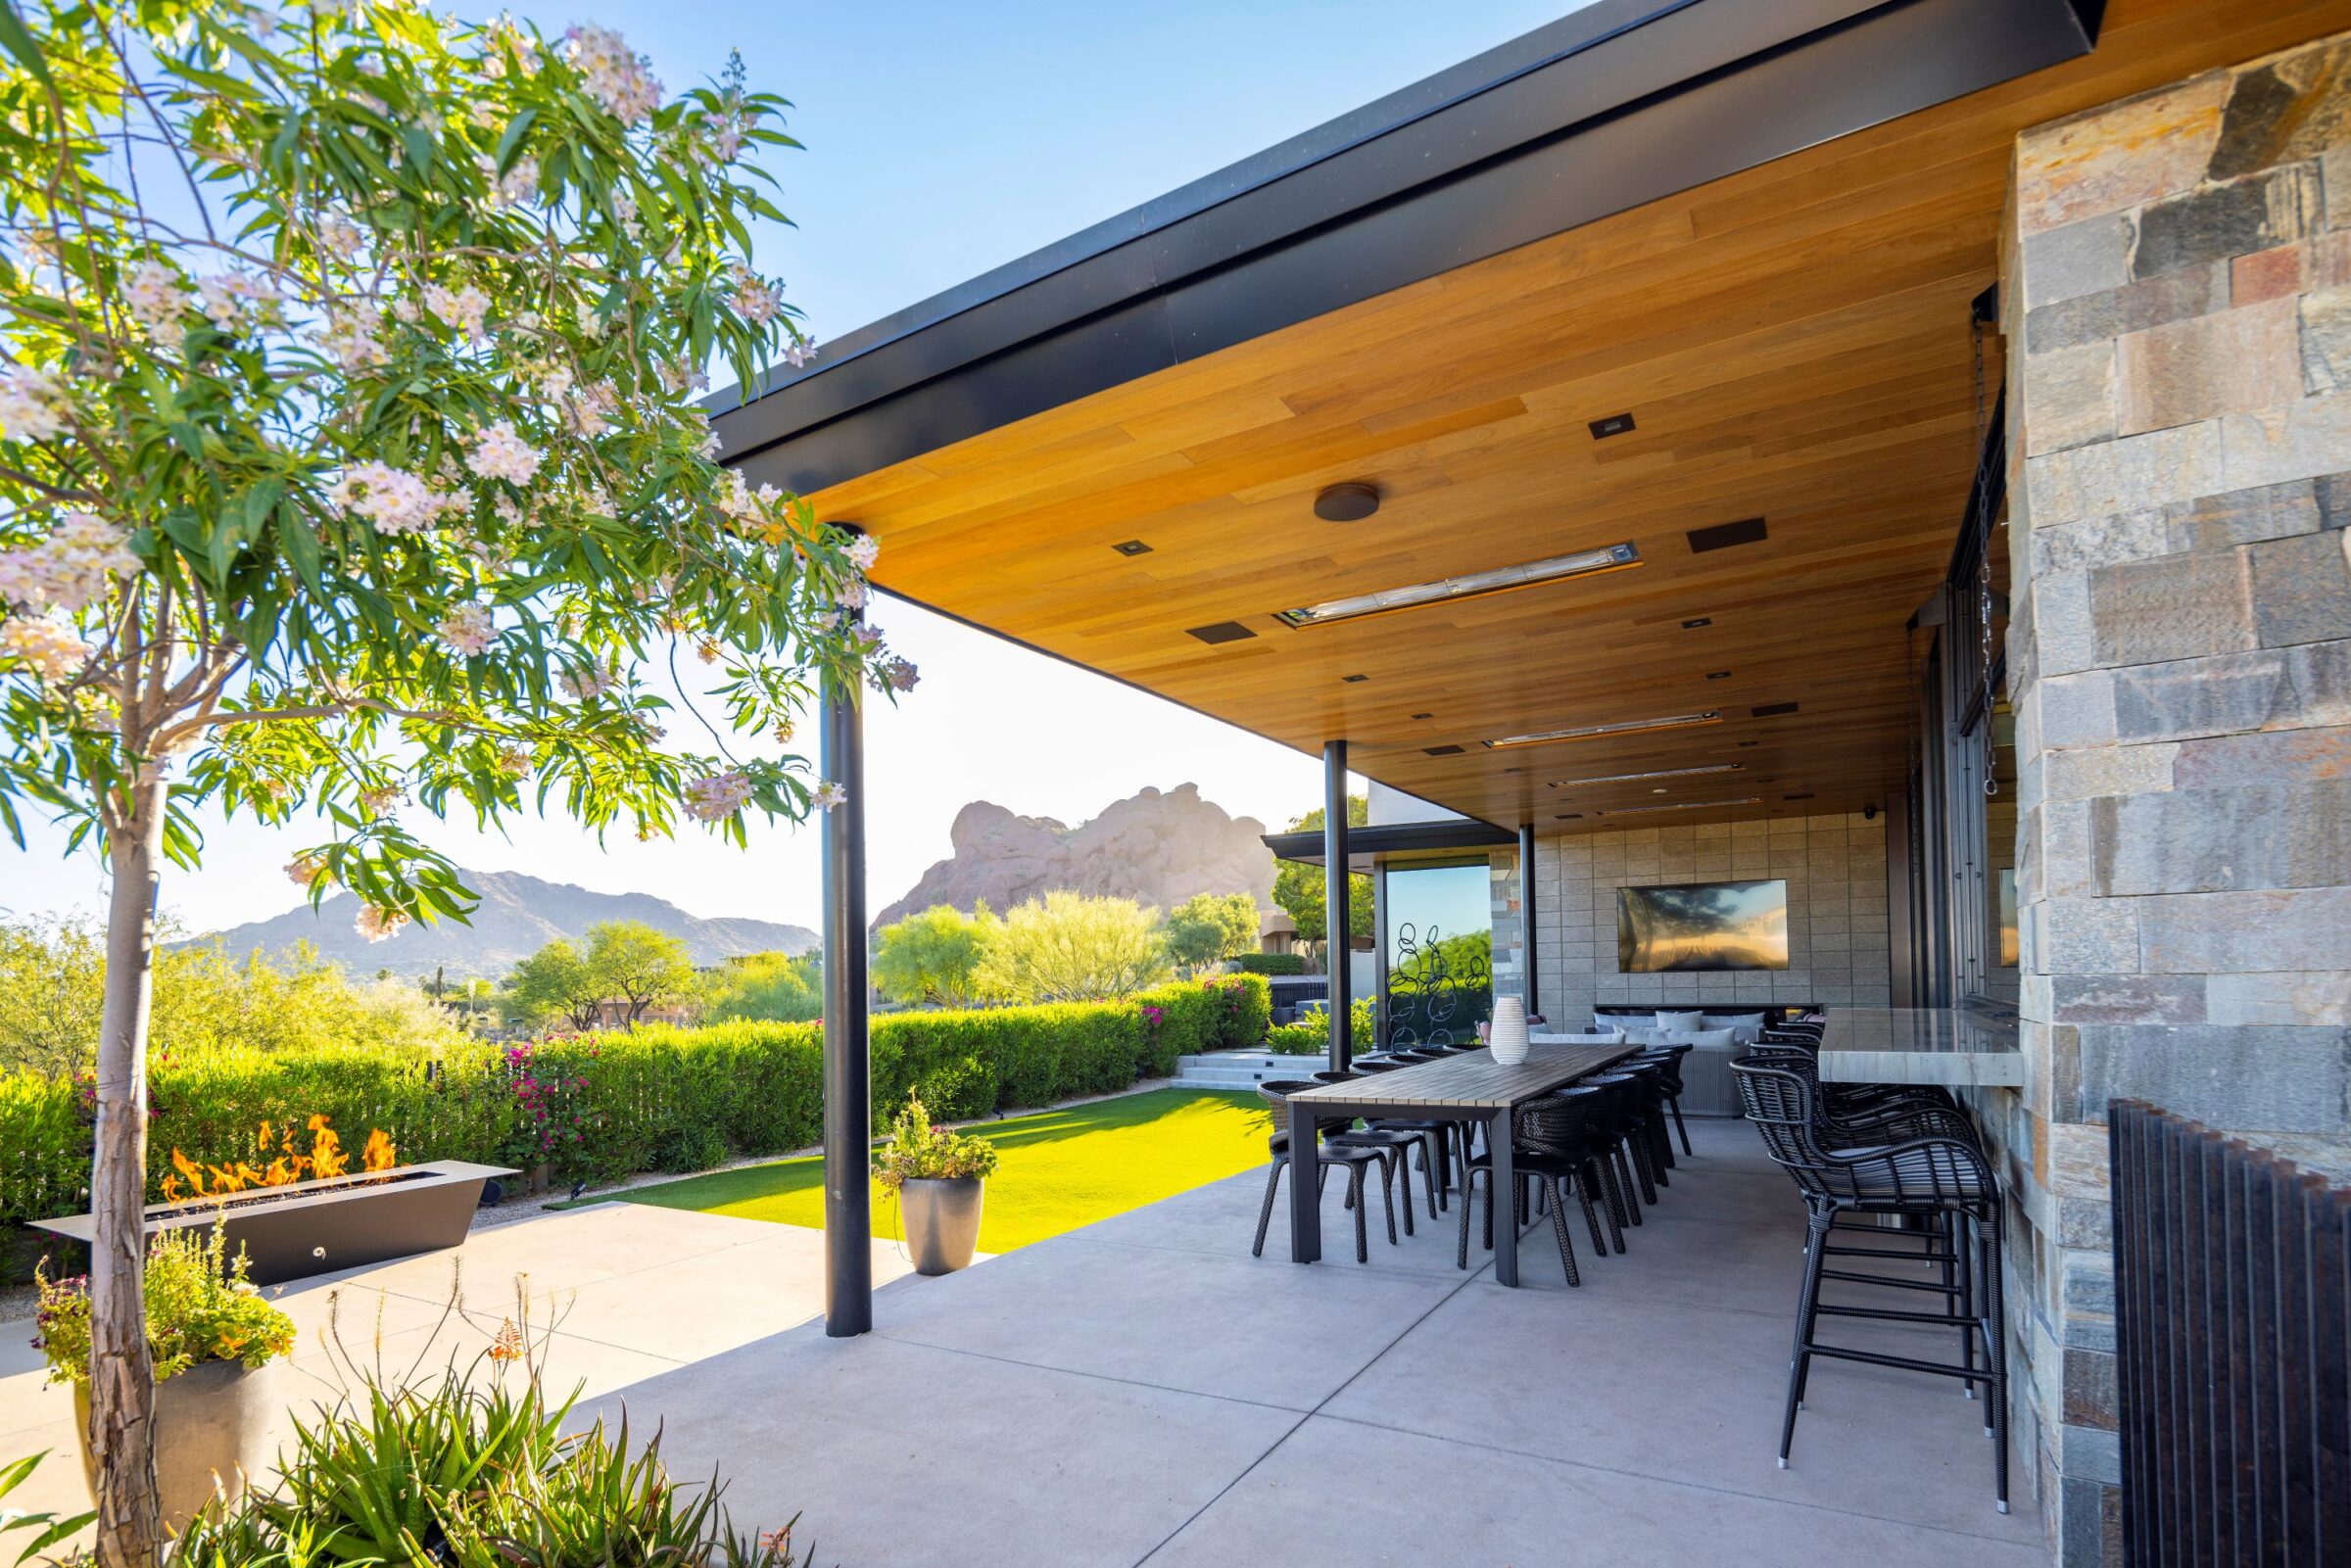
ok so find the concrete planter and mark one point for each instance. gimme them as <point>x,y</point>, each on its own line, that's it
<point>311,1227</point>
<point>942,1221</point>
<point>216,1419</point>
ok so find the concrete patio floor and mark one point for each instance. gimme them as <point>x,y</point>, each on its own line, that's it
<point>1144,1391</point>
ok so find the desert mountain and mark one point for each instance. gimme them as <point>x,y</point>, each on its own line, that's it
<point>518,915</point>
<point>1153,847</point>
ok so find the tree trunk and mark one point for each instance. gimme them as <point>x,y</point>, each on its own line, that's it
<point>121,1372</point>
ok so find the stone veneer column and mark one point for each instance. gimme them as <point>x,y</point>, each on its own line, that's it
<point>2178,300</point>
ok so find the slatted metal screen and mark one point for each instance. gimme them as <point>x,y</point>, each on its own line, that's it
<point>2232,1295</point>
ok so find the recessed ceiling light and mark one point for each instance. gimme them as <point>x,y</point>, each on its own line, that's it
<point>1654,773</point>
<point>1658,790</point>
<point>1750,742</point>
<point>1552,569</point>
<point>1568,816</point>
<point>1424,715</point>
<point>1350,502</point>
<point>1718,674</point>
<point>1593,732</point>
<point>1354,679</point>
<point>1133,546</point>
<point>1679,805</point>
<point>1442,752</point>
<point>1222,632</point>
<point>1806,796</point>
<point>1615,424</point>
<point>1771,710</point>
<point>1694,625</point>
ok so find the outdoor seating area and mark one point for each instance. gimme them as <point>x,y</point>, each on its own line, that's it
<point>1141,1388</point>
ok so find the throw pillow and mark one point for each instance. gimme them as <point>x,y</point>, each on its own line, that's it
<point>1681,1023</point>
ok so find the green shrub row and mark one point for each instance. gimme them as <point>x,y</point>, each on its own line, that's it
<point>602,1105</point>
<point>1267,964</point>
<point>1313,1037</point>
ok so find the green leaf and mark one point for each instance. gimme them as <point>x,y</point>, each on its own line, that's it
<point>516,129</point>
<point>18,42</point>
<point>301,544</point>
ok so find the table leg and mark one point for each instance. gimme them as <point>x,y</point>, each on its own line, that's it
<point>1306,1177</point>
<point>1502,1191</point>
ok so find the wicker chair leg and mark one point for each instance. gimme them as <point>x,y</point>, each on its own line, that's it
<point>1679,1125</point>
<point>1624,1178</point>
<point>1614,1200</point>
<point>1404,1179</point>
<point>1583,1194</point>
<point>1800,1358</point>
<point>1356,1201</point>
<point>1558,1225</point>
<point>1432,1169</point>
<point>1389,1165</point>
<point>1641,1172</point>
<point>1265,1215</point>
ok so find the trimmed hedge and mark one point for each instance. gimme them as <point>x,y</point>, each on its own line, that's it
<point>600,1107</point>
<point>1267,964</point>
<point>1313,1038</point>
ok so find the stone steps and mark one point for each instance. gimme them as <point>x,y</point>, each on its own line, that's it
<point>1239,1069</point>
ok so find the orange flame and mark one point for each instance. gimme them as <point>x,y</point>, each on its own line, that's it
<point>326,1158</point>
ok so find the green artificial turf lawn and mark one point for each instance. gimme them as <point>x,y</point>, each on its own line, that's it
<point>1060,1169</point>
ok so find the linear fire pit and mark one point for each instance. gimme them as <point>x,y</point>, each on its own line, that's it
<point>310,1227</point>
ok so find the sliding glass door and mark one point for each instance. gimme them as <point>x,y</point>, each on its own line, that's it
<point>1438,947</point>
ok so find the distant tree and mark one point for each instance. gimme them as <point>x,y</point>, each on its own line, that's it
<point>1068,948</point>
<point>1209,928</point>
<point>773,987</point>
<point>1299,889</point>
<point>554,982</point>
<point>934,956</point>
<point>640,965</point>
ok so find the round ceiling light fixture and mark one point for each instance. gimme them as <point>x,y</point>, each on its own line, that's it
<point>1348,502</point>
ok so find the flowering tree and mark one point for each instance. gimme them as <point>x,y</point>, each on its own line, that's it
<point>349,458</point>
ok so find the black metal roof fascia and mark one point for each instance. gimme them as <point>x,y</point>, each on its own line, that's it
<point>1392,838</point>
<point>1617,105</point>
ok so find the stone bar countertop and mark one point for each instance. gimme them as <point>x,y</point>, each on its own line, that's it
<point>1943,1045</point>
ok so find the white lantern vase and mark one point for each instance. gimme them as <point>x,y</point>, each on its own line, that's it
<point>1508,1034</point>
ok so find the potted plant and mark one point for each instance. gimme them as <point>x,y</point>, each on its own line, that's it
<point>940,1177</point>
<point>220,1349</point>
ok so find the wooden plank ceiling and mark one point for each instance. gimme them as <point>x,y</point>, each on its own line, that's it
<point>1793,344</point>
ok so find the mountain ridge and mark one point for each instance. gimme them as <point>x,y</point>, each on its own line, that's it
<point>518,915</point>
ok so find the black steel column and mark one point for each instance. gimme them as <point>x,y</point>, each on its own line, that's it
<point>1527,915</point>
<point>1337,944</point>
<point>848,1085</point>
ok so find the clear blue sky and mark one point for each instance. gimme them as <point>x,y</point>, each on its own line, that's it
<point>942,139</point>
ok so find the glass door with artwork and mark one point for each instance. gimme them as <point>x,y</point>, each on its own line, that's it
<point>1438,948</point>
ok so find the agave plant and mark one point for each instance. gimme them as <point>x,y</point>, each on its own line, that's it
<point>47,1528</point>
<point>472,1468</point>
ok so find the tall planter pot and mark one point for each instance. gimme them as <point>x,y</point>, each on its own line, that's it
<point>942,1221</point>
<point>215,1418</point>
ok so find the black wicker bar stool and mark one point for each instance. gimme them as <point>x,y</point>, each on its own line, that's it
<point>1276,1092</point>
<point>1941,1180</point>
<point>1628,1128</point>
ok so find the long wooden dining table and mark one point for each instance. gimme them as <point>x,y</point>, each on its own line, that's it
<point>1469,1087</point>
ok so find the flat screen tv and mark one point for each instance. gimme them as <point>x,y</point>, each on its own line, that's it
<point>1701,926</point>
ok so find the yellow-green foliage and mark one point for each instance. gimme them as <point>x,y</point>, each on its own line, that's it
<point>655,1098</point>
<point>199,1308</point>
<point>52,991</point>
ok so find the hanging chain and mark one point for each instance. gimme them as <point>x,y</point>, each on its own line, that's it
<point>1983,520</point>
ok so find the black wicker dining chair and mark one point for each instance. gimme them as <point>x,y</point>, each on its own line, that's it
<point>1276,1092</point>
<point>1550,1144</point>
<point>1595,1102</point>
<point>1944,1181</point>
<point>1671,1058</point>
<point>1436,1137</point>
